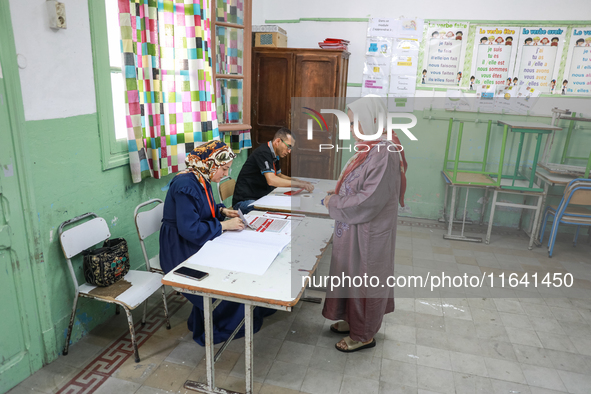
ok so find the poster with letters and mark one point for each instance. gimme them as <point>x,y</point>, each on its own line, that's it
<point>444,53</point>
<point>577,72</point>
<point>538,57</point>
<point>495,49</point>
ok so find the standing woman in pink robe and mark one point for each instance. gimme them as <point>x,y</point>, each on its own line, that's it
<point>365,208</point>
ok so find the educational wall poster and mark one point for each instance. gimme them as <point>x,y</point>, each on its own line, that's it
<point>390,69</point>
<point>485,98</point>
<point>377,66</point>
<point>538,57</point>
<point>402,84</point>
<point>405,46</point>
<point>374,84</point>
<point>404,65</point>
<point>444,54</point>
<point>378,46</point>
<point>390,27</point>
<point>381,27</point>
<point>494,54</point>
<point>527,98</point>
<point>410,28</point>
<point>577,72</point>
<point>506,98</point>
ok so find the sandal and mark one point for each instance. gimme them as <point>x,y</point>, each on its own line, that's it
<point>353,346</point>
<point>335,327</point>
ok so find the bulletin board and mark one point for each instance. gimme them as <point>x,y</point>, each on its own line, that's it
<point>550,58</point>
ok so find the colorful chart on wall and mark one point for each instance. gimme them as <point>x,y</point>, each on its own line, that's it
<point>445,52</point>
<point>538,57</point>
<point>378,46</point>
<point>377,66</point>
<point>577,72</point>
<point>374,84</point>
<point>494,53</point>
<point>391,27</point>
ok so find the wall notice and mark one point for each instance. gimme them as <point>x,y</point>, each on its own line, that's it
<point>494,54</point>
<point>577,72</point>
<point>444,57</point>
<point>538,57</point>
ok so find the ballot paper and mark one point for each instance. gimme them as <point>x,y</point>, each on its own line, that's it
<point>264,223</point>
<point>246,223</point>
<point>245,251</point>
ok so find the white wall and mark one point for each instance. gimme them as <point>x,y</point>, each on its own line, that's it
<point>308,34</point>
<point>56,73</point>
<point>57,76</point>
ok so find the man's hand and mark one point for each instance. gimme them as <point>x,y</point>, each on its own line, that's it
<point>307,186</point>
<point>230,213</point>
<point>233,224</point>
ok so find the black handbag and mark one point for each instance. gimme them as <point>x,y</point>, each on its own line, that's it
<point>105,266</point>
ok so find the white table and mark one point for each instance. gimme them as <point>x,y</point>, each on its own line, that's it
<point>321,187</point>
<point>279,288</point>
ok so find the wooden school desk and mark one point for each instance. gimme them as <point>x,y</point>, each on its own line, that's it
<point>279,288</point>
<point>321,186</point>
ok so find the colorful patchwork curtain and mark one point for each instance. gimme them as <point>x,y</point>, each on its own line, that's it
<point>170,98</point>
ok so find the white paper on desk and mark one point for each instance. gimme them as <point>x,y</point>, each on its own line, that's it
<point>313,181</point>
<point>277,201</point>
<point>282,223</point>
<point>265,224</point>
<point>245,251</point>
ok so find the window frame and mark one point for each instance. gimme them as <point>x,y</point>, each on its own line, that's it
<point>114,152</point>
<point>246,65</point>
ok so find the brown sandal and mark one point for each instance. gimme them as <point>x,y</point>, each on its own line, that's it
<point>353,346</point>
<point>335,327</point>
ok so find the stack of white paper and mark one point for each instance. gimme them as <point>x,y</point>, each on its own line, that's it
<point>277,201</point>
<point>250,252</point>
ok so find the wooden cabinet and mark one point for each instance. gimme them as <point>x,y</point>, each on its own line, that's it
<point>286,78</point>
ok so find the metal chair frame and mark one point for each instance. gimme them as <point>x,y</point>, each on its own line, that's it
<point>85,235</point>
<point>562,216</point>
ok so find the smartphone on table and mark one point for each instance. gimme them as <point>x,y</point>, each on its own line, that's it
<point>190,273</point>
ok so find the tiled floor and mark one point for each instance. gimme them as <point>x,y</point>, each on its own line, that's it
<point>463,340</point>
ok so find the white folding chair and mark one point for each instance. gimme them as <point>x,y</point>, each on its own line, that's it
<point>76,239</point>
<point>147,223</point>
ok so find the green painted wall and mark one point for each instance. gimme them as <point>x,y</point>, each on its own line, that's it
<point>425,186</point>
<point>68,180</point>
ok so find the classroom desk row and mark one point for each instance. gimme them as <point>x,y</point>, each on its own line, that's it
<point>545,179</point>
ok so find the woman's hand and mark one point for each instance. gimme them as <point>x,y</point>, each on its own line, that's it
<point>233,224</point>
<point>327,199</point>
<point>230,213</point>
<point>330,192</point>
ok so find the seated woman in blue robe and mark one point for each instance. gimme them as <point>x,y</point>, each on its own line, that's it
<point>191,218</point>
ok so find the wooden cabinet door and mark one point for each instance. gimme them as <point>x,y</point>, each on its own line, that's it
<point>271,98</point>
<point>316,83</point>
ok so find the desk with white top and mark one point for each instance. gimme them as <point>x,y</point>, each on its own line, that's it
<point>280,287</point>
<point>321,187</point>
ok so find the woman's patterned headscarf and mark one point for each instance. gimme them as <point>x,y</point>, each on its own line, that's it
<point>205,159</point>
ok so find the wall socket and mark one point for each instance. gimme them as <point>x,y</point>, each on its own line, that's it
<point>57,14</point>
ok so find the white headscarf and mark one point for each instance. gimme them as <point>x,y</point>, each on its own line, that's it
<point>371,112</point>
